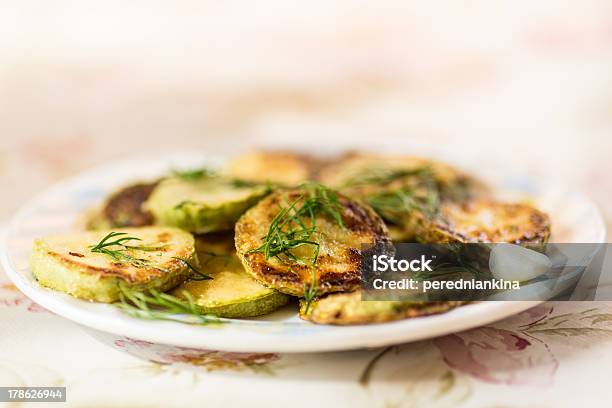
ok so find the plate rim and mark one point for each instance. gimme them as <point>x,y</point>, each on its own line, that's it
<point>470,316</point>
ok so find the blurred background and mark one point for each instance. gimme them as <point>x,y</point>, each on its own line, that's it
<point>523,84</point>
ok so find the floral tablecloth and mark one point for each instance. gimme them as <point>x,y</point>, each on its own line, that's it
<point>556,354</point>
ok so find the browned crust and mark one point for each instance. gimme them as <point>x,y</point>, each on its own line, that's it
<point>140,275</point>
<point>340,272</point>
<point>124,207</point>
<point>294,282</point>
<point>514,223</point>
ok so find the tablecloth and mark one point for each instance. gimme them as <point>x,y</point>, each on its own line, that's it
<point>556,354</point>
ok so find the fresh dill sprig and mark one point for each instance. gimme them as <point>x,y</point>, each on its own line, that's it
<point>118,240</point>
<point>155,305</point>
<point>401,191</point>
<point>197,275</point>
<point>240,183</point>
<point>183,204</point>
<point>119,255</point>
<point>394,204</point>
<point>295,225</point>
<point>385,175</point>
<point>193,174</point>
<point>311,291</point>
<point>106,242</point>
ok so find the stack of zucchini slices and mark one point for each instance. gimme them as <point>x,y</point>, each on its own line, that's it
<point>243,242</point>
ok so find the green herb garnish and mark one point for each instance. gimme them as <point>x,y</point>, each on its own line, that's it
<point>400,191</point>
<point>310,291</point>
<point>294,227</point>
<point>198,274</point>
<point>194,174</point>
<point>394,204</point>
<point>384,175</point>
<point>240,183</point>
<point>114,245</point>
<point>155,305</point>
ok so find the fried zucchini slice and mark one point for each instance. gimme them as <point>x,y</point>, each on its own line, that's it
<point>401,189</point>
<point>158,260</point>
<point>124,208</point>
<point>486,220</point>
<point>368,170</point>
<point>348,309</point>
<point>307,237</point>
<point>231,292</point>
<point>203,205</point>
<point>274,166</point>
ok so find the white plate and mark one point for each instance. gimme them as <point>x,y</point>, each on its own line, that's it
<point>574,217</point>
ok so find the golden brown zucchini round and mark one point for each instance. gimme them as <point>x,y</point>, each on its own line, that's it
<point>359,169</point>
<point>280,167</point>
<point>157,259</point>
<point>485,220</point>
<point>307,237</point>
<point>401,189</point>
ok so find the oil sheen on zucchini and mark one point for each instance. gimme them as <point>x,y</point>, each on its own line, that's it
<point>66,262</point>
<point>202,205</point>
<point>231,292</point>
